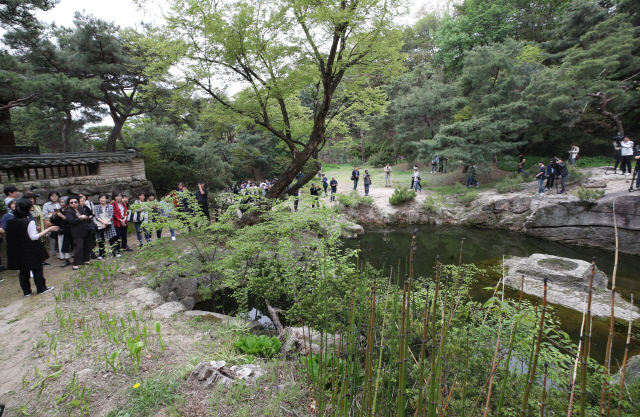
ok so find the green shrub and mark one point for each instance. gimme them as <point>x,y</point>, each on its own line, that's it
<point>468,197</point>
<point>510,183</point>
<point>400,195</point>
<point>353,199</point>
<point>576,174</point>
<point>589,194</point>
<point>435,202</point>
<point>593,161</point>
<point>380,159</point>
<point>262,346</point>
<point>510,163</point>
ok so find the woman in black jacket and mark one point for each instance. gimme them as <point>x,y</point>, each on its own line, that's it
<point>79,224</point>
<point>25,251</point>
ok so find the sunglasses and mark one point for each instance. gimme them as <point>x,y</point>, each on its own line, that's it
<point>73,202</point>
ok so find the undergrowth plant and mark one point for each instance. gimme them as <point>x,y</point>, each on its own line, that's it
<point>589,194</point>
<point>400,195</point>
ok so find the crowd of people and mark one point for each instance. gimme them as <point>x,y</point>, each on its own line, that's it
<point>78,230</point>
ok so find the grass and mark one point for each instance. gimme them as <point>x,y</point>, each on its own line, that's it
<point>152,393</point>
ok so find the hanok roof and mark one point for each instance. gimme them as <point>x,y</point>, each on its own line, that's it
<point>67,159</point>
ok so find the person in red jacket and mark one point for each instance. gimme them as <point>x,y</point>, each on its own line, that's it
<point>120,223</point>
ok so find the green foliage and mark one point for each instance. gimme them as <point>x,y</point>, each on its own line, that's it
<point>381,159</point>
<point>589,194</point>
<point>354,199</point>
<point>400,195</point>
<point>435,202</point>
<point>261,346</point>
<point>157,391</point>
<point>468,197</point>
<point>510,183</point>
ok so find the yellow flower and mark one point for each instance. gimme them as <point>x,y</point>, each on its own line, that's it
<point>136,385</point>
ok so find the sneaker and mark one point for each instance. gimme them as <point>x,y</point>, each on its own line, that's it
<point>65,263</point>
<point>100,258</point>
<point>29,295</point>
<point>478,185</point>
<point>626,173</point>
<point>1,279</point>
<point>46,264</point>
<point>174,238</point>
<point>128,249</point>
<point>47,290</point>
<point>93,256</point>
<point>118,255</point>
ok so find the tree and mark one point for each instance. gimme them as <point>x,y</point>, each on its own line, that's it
<point>119,61</point>
<point>275,50</point>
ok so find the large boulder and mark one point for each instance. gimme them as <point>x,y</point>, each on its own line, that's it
<point>590,224</point>
<point>565,271</point>
<point>223,319</point>
<point>168,309</point>
<point>145,296</point>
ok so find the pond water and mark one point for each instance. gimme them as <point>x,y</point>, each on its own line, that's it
<point>384,246</point>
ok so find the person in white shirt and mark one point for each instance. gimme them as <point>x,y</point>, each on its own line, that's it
<point>416,180</point>
<point>627,154</point>
<point>387,176</point>
<point>573,153</point>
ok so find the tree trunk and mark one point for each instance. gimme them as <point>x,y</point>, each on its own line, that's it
<point>6,132</point>
<point>602,109</point>
<point>66,146</point>
<point>115,133</point>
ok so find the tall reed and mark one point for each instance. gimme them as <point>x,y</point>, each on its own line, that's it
<point>607,356</point>
<point>586,348</point>
<point>623,371</point>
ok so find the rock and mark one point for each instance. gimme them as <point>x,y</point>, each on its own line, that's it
<point>221,318</point>
<point>172,297</point>
<point>249,372</point>
<point>186,287</point>
<point>188,303</point>
<point>208,374</point>
<point>354,228</point>
<point>168,309</point>
<point>568,281</point>
<point>300,339</point>
<point>132,270</point>
<point>146,296</point>
<point>632,374</point>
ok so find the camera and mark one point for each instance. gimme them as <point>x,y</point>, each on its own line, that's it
<point>33,187</point>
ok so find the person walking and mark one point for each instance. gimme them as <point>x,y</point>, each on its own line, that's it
<point>355,176</point>
<point>434,164</point>
<point>521,161</point>
<point>296,199</point>
<point>79,224</point>
<point>325,183</point>
<point>103,215</point>
<point>334,188</point>
<point>416,180</point>
<point>415,168</point>
<point>314,195</point>
<point>540,176</point>
<point>626,152</point>
<point>387,175</point>
<point>367,182</point>
<point>573,154</point>
<point>563,173</point>
<point>202,196</point>
<point>25,251</point>
<point>120,222</point>
<point>138,217</point>
<point>471,175</point>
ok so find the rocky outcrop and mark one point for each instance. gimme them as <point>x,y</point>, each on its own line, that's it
<point>145,296</point>
<point>223,319</point>
<point>590,224</point>
<point>567,285</point>
<point>167,310</point>
<point>209,374</point>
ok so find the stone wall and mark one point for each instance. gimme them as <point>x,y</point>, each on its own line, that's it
<point>93,186</point>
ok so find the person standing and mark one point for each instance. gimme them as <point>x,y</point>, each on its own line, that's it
<point>355,176</point>
<point>542,172</point>
<point>551,175</point>
<point>296,199</point>
<point>563,172</point>
<point>25,251</point>
<point>120,222</point>
<point>415,168</point>
<point>79,224</point>
<point>434,164</point>
<point>89,207</point>
<point>367,182</point>
<point>314,196</point>
<point>138,217</point>
<point>334,188</point>
<point>573,154</point>
<point>202,196</point>
<point>11,193</point>
<point>325,183</point>
<point>103,215</point>
<point>387,175</point>
<point>471,175</point>
<point>48,209</point>
<point>65,241</point>
<point>626,152</point>
<point>416,180</point>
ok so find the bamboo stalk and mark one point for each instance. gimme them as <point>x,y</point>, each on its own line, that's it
<point>544,390</point>
<point>466,373</point>
<point>587,346</point>
<point>623,371</point>
<point>423,353</point>
<point>495,354</point>
<point>537,354</point>
<point>401,379</point>
<point>607,357</point>
<point>575,367</point>
<point>432,385</point>
<point>384,319</point>
<point>514,330</point>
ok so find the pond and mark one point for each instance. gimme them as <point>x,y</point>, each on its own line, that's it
<point>384,246</point>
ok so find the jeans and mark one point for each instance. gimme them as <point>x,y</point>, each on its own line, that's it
<point>434,168</point>
<point>325,185</point>
<point>333,194</point>
<point>626,162</point>
<point>471,180</point>
<point>572,161</point>
<point>355,183</point>
<point>366,188</point>
<point>550,181</point>
<point>563,180</point>
<point>387,180</point>
<point>637,179</point>
<point>416,185</point>
<point>121,235</point>
<point>147,235</point>
<point>540,185</point>
<point>159,233</point>
<point>38,279</point>
<point>82,253</point>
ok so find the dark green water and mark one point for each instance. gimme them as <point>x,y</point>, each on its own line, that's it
<point>384,246</point>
